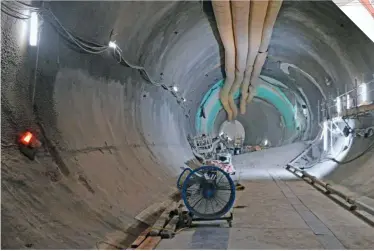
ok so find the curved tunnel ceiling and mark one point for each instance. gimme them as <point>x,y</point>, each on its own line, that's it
<point>113,142</point>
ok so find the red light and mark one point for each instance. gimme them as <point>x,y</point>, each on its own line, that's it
<point>26,138</point>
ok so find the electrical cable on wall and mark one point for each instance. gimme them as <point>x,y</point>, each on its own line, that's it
<point>369,148</point>
<point>95,48</point>
<point>86,46</point>
<point>15,10</point>
<point>25,5</point>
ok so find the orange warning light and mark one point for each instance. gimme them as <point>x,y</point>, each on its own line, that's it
<point>26,138</point>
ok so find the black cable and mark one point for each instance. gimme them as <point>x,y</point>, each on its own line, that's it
<point>67,39</point>
<point>371,146</point>
<point>89,44</point>
<point>27,5</point>
<point>20,6</point>
<point>95,48</point>
<point>346,123</point>
<point>79,42</point>
<point>12,15</point>
<point>15,11</point>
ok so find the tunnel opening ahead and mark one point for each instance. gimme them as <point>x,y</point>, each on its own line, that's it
<point>114,137</point>
<point>277,112</point>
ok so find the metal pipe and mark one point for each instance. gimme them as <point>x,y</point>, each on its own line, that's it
<point>365,207</point>
<point>301,154</point>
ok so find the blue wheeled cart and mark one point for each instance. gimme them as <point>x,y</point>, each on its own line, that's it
<point>208,193</point>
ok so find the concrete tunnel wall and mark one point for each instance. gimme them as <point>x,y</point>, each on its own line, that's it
<point>114,143</point>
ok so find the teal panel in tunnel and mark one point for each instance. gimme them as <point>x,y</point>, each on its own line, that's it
<point>276,97</point>
<point>207,97</point>
<point>212,105</point>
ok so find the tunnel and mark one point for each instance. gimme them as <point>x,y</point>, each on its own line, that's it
<point>113,124</point>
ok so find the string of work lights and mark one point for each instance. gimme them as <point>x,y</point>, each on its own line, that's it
<point>36,15</point>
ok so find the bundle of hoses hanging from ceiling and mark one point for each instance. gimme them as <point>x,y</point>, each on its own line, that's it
<point>245,28</point>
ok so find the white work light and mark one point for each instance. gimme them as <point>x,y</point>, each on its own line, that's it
<point>112,45</point>
<point>325,135</point>
<point>266,142</point>
<point>364,92</point>
<point>348,101</point>
<point>33,29</point>
<point>338,105</point>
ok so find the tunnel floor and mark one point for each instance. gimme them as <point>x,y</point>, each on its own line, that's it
<point>279,213</point>
<point>258,165</point>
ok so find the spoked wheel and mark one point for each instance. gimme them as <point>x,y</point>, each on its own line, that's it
<point>208,192</point>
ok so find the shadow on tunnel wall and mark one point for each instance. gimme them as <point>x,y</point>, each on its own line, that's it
<point>106,156</point>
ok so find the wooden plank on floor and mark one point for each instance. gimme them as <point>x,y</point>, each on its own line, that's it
<point>170,228</point>
<point>143,235</point>
<point>163,220</point>
<point>150,243</point>
<point>172,225</point>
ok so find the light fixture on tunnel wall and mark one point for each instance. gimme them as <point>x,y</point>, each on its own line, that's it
<point>338,105</point>
<point>328,81</point>
<point>112,44</point>
<point>325,135</point>
<point>266,142</point>
<point>33,39</point>
<point>348,101</point>
<point>28,144</point>
<point>363,93</point>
